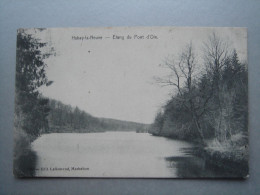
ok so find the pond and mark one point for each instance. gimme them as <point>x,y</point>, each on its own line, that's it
<point>108,154</point>
<point>117,154</point>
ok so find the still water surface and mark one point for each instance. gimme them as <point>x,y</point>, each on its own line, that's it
<point>108,154</point>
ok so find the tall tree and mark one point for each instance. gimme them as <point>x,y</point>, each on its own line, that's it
<point>31,108</point>
<point>217,56</point>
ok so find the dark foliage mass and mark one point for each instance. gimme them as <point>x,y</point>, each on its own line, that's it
<point>31,109</point>
<point>209,103</point>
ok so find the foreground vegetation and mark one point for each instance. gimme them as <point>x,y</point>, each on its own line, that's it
<point>31,109</point>
<point>210,105</point>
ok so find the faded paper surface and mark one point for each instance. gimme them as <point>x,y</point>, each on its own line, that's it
<point>159,102</point>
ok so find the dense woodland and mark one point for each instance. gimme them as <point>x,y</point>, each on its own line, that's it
<point>209,100</point>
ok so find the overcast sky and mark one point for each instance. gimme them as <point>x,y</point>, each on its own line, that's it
<point>113,78</point>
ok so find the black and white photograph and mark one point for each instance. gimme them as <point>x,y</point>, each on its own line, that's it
<point>131,102</point>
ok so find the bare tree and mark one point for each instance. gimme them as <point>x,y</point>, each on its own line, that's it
<point>182,77</point>
<point>216,55</point>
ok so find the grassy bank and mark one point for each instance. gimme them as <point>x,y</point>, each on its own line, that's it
<point>231,155</point>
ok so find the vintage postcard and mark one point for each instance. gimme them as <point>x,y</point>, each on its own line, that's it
<point>131,102</point>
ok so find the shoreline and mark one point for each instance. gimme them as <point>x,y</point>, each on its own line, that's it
<point>233,162</point>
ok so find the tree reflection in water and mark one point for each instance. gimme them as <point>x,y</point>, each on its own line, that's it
<point>25,165</point>
<point>192,166</point>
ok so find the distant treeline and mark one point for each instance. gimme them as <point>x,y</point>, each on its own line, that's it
<point>208,102</point>
<point>65,118</point>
